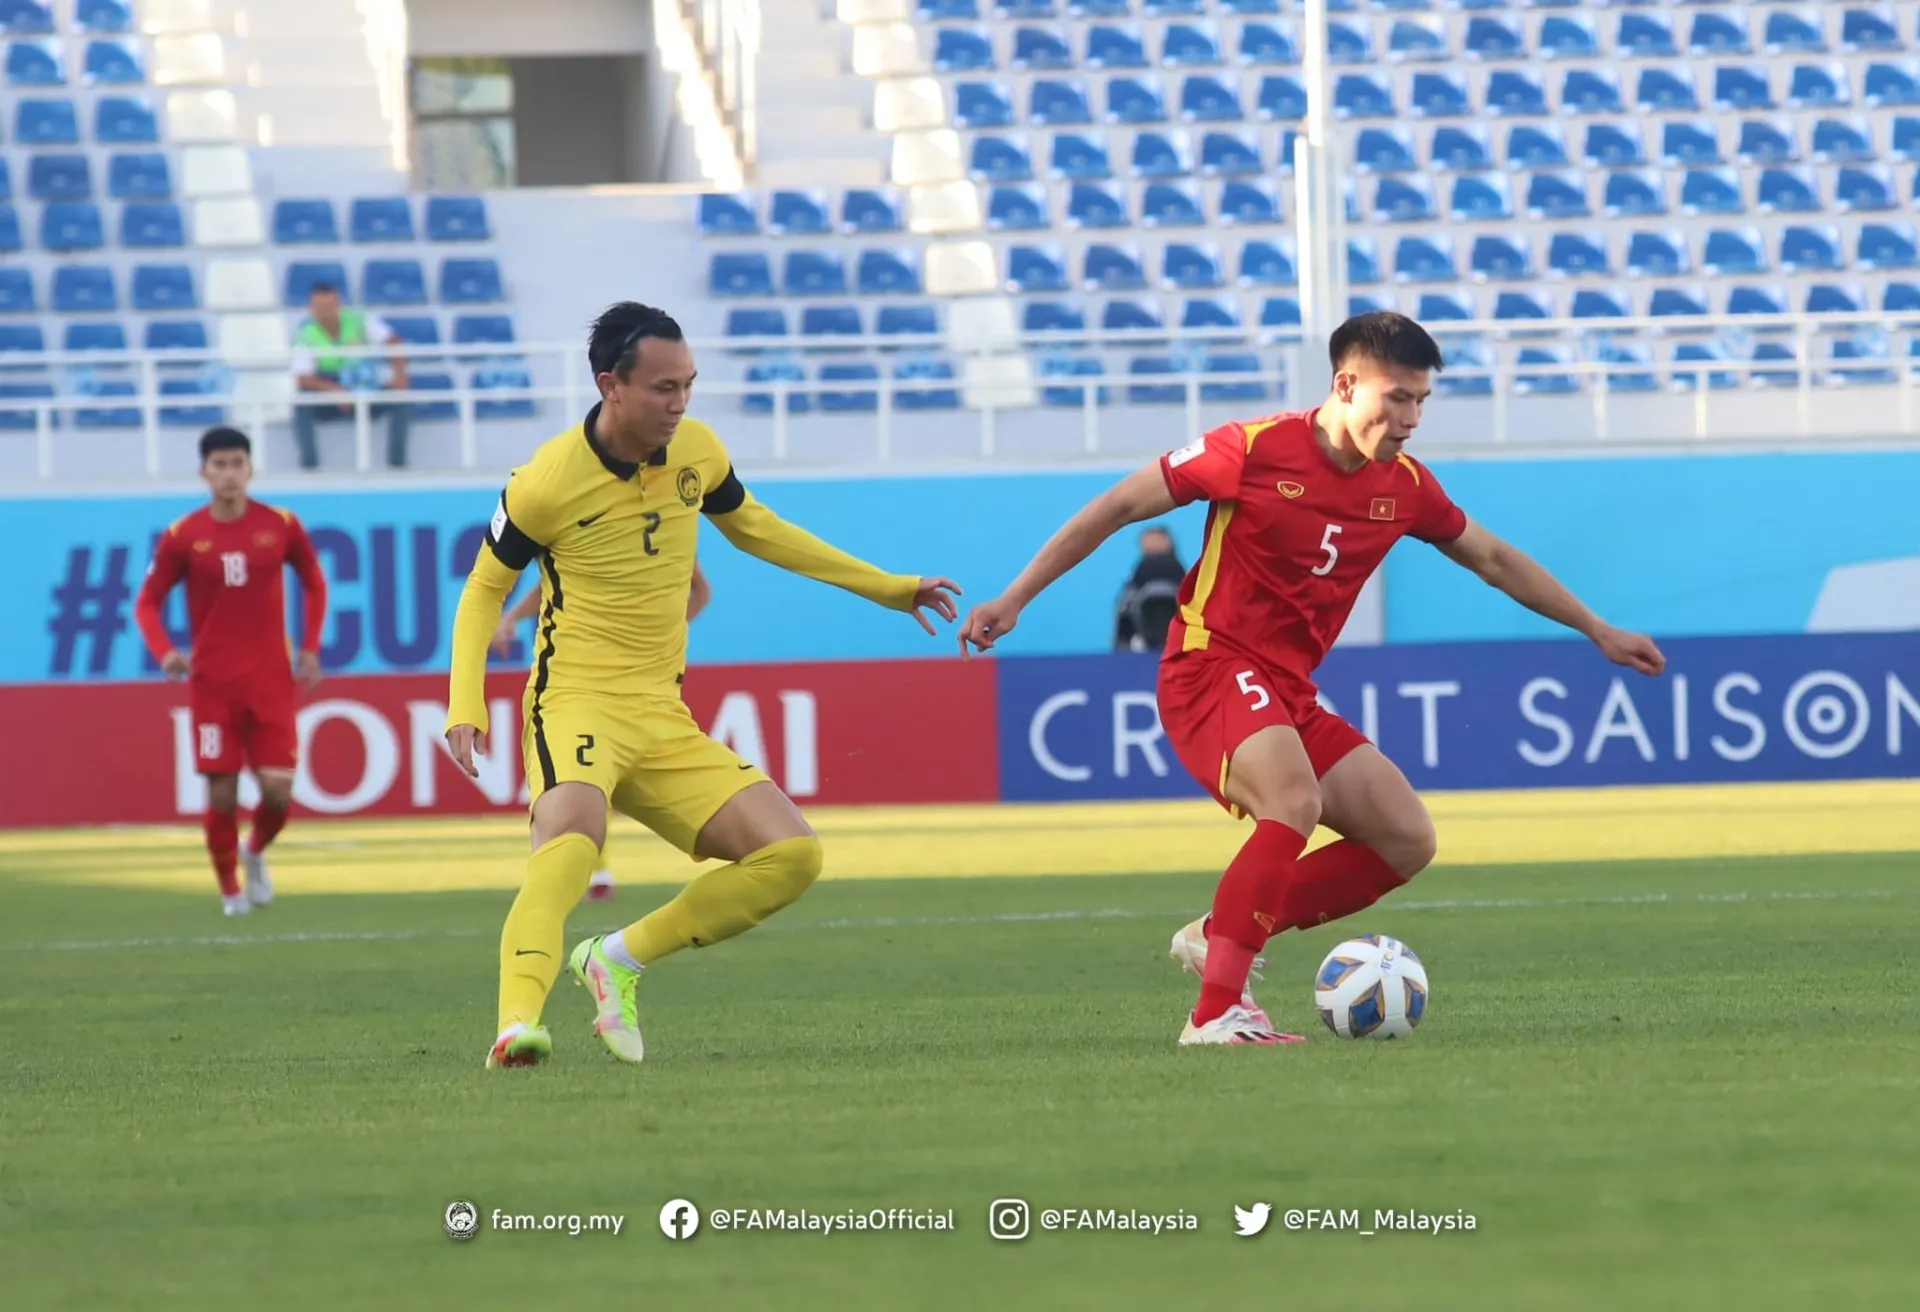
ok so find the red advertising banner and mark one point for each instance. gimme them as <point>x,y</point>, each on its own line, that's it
<point>831,733</point>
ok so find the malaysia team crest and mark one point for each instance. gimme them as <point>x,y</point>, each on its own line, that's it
<point>688,485</point>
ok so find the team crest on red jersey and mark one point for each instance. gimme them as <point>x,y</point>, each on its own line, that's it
<point>1291,490</point>
<point>203,544</point>
<point>1382,508</point>
<point>265,539</point>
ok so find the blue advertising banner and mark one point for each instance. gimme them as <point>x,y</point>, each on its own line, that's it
<point>1508,715</point>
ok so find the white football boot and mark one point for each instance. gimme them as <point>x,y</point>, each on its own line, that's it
<point>259,882</point>
<point>1235,1026</point>
<point>237,905</point>
<point>1190,950</point>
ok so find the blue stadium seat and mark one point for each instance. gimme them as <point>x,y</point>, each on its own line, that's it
<point>1425,259</point>
<point>1480,198</point>
<point>118,416</point>
<point>918,320</point>
<point>1113,268</point>
<point>22,338</point>
<point>1172,8</point>
<point>1656,254</point>
<point>1635,193</point>
<point>1161,155</point>
<point>457,218</point>
<point>1750,300</point>
<point>1836,298</point>
<point>107,16</point>
<point>1156,366</point>
<point>1267,43</point>
<point>913,389</point>
<point>109,336</point>
<point>887,273</point>
<point>739,273</point>
<point>727,215</point>
<point>1717,33</point>
<point>1865,30</point>
<point>1688,302</point>
<point>1787,191</point>
<point>1349,41</point>
<point>1590,91</point>
<point>1468,366</point>
<point>1363,261</point>
<point>1794,33</point>
<point>6,180</point>
<point>45,123</point>
<point>1280,319</point>
<point>1220,392</point>
<point>1205,98</point>
<point>1432,94</point>
<point>1267,264</point>
<point>1539,371</point>
<point>1113,48</point>
<point>164,289</point>
<point>1613,146</point>
<point>59,178</point>
<point>1384,150</point>
<point>830,321</point>
<point>1598,303</point>
<point>872,210</point>
<point>1686,144</point>
<point>1062,366</point>
<point>85,289</point>
<point>112,63</point>
<point>302,221</point>
<point>396,283</point>
<point>1561,195</point>
<point>798,214</point>
<point>1843,141</point>
<point>962,50</point>
<point>72,226</point>
<point>1767,141</point>
<point>1018,208</point>
<point>1131,315</point>
<point>1036,269</point>
<point>1578,254</point>
<point>1667,91</point>
<point>1191,266</point>
<point>498,375</point>
<point>1501,257</point>
<point>1863,189</point>
<point>1445,307</point>
<point>413,330</point>
<point>1190,45</point>
<point>946,11</point>
<point>1741,88</point>
<point>1644,36</point>
<point>1900,298</point>
<point>1867,347</point>
<point>1283,154</point>
<point>16,292</point>
<point>1171,205</point>
<point>482,330</point>
<point>1052,102</point>
<point>123,121</point>
<point>1629,366</point>
<point>1404,200</point>
<point>196,416</point>
<point>982,105</point>
<point>1052,317</point>
<point>1491,36</point>
<point>813,273</point>
<point>1203,312</point>
<point>9,232</point>
<point>1890,84</point>
<point>1355,95</point>
<point>1536,146</point>
<point>1417,38</point>
<point>1461,149</point>
<point>1564,36</point>
<point>1905,143</point>
<point>304,275</point>
<point>1000,159</point>
<point>1228,153</point>
<point>35,64</point>
<point>26,420</point>
<point>1096,205</point>
<point>782,370</point>
<point>1041,49</point>
<point>1818,86</point>
<point>1775,351</point>
<point>152,224</point>
<point>752,321</point>
<point>1805,249</point>
<point>1248,201</point>
<point>1511,93</point>
<point>26,17</point>
<point>1080,156</point>
<point>1733,251</point>
<point>1711,191</point>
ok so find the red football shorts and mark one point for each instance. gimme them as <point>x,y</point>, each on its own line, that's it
<point>1212,701</point>
<point>254,729</point>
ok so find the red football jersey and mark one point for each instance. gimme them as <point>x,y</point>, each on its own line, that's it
<point>236,595</point>
<point>1291,537</point>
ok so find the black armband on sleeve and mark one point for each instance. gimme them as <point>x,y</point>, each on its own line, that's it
<point>728,497</point>
<point>513,548</point>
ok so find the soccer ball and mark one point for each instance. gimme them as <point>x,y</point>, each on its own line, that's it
<point>1371,987</point>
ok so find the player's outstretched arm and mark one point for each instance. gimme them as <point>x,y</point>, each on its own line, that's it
<point>1142,494</point>
<point>1527,581</point>
<point>759,532</point>
<point>169,567</point>
<point>313,602</point>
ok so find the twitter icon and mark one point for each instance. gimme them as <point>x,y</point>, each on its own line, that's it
<point>1251,1221</point>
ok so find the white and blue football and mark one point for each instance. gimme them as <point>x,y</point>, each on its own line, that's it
<point>1371,987</point>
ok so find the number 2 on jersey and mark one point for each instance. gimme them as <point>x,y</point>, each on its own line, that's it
<point>646,537</point>
<point>1332,549</point>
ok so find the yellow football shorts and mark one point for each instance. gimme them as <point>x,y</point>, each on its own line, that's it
<point>644,752</point>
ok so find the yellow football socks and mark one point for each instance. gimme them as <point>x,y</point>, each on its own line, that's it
<point>727,901</point>
<point>531,947</point>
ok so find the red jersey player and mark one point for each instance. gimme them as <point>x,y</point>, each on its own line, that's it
<point>1304,507</point>
<point>232,553</point>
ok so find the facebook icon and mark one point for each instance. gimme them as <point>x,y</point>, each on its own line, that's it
<point>679,1219</point>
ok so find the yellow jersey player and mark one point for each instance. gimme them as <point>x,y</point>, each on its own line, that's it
<point>610,509</point>
<point>600,887</point>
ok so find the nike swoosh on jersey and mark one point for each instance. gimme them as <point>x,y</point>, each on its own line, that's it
<point>590,518</point>
<point>531,952</point>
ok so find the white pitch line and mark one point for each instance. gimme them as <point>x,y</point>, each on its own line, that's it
<point>916,922</point>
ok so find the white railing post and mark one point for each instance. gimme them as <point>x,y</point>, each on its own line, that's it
<point>150,415</point>
<point>1090,416</point>
<point>362,434</point>
<point>987,434</point>
<point>884,419</point>
<point>780,388</point>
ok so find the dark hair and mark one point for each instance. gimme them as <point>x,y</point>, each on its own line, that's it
<point>322,289</point>
<point>616,335</point>
<point>223,439</point>
<point>1385,337</point>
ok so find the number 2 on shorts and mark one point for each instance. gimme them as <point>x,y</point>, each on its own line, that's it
<point>1249,687</point>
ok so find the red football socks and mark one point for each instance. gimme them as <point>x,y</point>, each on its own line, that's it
<point>223,844</point>
<point>267,823</point>
<point>1247,909</point>
<point>1337,880</point>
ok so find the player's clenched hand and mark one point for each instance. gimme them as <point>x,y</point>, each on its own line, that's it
<point>463,740</point>
<point>503,638</point>
<point>987,623</point>
<point>1634,650</point>
<point>936,595</point>
<point>175,665</point>
<point>306,670</point>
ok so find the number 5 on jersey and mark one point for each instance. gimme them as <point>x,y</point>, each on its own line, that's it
<point>1328,545</point>
<point>1251,689</point>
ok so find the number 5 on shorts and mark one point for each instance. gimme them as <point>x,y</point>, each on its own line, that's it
<point>1249,687</point>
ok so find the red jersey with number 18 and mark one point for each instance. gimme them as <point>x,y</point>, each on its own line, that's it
<point>1291,537</point>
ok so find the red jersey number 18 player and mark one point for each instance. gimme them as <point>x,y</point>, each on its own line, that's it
<point>1302,510</point>
<point>232,553</point>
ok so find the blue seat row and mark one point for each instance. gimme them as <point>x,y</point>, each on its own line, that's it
<point>43,63</point>
<point>110,335</point>
<point>1119,267</point>
<point>68,226</point>
<point>815,273</point>
<point>1613,143</point>
<point>1150,153</point>
<point>1027,206</point>
<point>1568,194</point>
<point>142,175</point>
<point>921,382</point>
<point>801,213</point>
<point>399,282</point>
<point>55,121</point>
<point>966,11</point>
<point>82,289</point>
<point>912,320</point>
<point>35,17</point>
<point>380,219</point>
